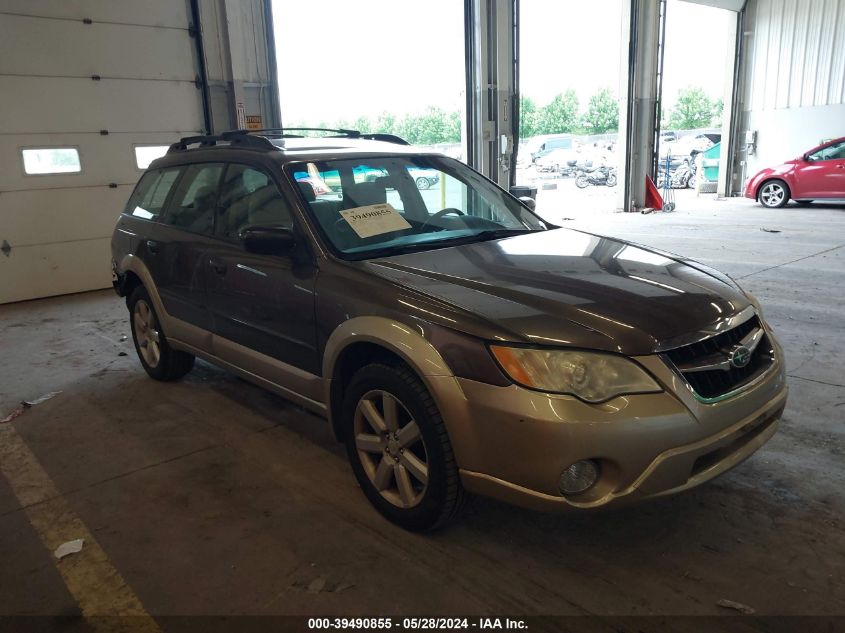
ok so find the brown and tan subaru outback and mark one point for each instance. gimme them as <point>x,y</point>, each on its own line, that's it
<point>456,342</point>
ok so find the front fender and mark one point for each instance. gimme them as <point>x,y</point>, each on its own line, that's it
<point>403,340</point>
<point>411,346</point>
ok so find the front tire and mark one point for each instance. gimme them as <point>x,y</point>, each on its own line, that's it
<point>773,194</point>
<point>399,448</point>
<point>158,359</point>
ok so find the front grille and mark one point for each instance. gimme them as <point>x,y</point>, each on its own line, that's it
<point>717,382</point>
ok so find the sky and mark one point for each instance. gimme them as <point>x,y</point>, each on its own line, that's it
<point>345,58</point>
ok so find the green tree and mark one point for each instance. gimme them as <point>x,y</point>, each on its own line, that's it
<point>602,113</point>
<point>385,123</point>
<point>453,127</point>
<point>434,125</point>
<point>693,109</point>
<point>362,124</point>
<point>718,110</point>
<point>529,118</point>
<point>560,115</point>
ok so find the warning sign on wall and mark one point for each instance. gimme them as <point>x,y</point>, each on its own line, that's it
<point>253,121</point>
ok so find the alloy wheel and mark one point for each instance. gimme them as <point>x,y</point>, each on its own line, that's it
<point>147,333</point>
<point>772,194</point>
<point>391,448</point>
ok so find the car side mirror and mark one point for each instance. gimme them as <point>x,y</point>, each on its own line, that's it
<point>806,158</point>
<point>529,202</point>
<point>268,240</point>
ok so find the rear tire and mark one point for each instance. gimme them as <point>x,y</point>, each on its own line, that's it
<point>399,448</point>
<point>773,194</point>
<point>158,359</point>
<point>581,182</point>
<point>422,183</point>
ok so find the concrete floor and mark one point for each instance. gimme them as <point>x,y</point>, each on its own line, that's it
<point>211,496</point>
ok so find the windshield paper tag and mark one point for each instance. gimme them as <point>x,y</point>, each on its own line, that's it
<point>374,219</point>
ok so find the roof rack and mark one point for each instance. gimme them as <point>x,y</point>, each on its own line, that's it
<point>258,139</point>
<point>338,133</point>
<point>233,137</point>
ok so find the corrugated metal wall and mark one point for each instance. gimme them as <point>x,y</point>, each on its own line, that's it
<point>239,63</point>
<point>797,54</point>
<point>793,81</point>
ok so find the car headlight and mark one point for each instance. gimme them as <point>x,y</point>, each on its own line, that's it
<point>590,376</point>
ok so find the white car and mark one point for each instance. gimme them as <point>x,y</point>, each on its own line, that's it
<point>424,178</point>
<point>686,145</point>
<point>556,160</point>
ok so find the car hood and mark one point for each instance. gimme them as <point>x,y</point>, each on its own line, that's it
<point>568,288</point>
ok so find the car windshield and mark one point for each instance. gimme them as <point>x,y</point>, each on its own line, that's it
<point>387,205</point>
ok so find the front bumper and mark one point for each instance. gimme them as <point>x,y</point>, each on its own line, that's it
<point>750,190</point>
<point>513,444</point>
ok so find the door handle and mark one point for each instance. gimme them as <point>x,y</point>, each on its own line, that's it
<point>218,266</point>
<point>152,246</point>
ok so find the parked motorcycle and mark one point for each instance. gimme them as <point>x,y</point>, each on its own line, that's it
<point>681,177</point>
<point>599,177</point>
<point>573,167</point>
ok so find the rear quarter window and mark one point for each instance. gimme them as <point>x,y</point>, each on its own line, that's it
<point>147,201</point>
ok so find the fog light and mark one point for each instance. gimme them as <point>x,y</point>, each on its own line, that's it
<point>579,477</point>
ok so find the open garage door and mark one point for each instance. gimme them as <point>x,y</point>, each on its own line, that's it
<point>70,125</point>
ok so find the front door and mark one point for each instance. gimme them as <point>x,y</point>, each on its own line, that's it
<point>259,303</point>
<point>822,175</point>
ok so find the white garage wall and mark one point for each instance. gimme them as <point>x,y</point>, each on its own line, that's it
<point>104,76</point>
<point>795,77</point>
<point>58,227</point>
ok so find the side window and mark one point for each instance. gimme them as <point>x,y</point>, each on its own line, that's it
<point>147,201</point>
<point>249,198</point>
<point>831,152</point>
<point>51,160</point>
<point>193,203</point>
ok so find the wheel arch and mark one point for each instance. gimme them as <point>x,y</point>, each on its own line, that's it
<point>364,340</point>
<point>136,273</point>
<point>129,281</point>
<point>769,179</point>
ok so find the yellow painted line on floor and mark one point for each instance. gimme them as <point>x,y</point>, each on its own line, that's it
<point>106,601</point>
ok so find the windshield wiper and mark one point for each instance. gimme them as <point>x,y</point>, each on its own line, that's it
<point>481,236</point>
<point>495,234</point>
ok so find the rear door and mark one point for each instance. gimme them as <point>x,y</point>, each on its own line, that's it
<point>175,254</point>
<point>263,303</point>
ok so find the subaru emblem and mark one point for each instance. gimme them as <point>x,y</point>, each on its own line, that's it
<point>740,356</point>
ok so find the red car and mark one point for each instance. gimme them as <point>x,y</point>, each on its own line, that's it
<point>817,175</point>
